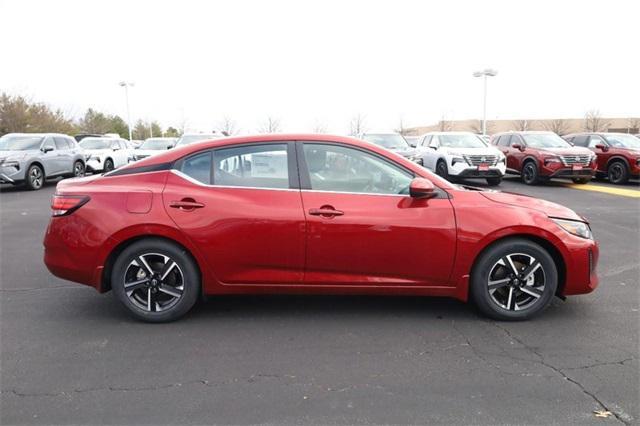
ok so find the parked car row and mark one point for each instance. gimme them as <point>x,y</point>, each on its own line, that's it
<point>536,156</point>
<point>31,158</point>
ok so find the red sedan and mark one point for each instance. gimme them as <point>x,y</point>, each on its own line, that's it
<point>309,214</point>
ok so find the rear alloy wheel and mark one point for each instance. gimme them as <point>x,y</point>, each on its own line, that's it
<point>35,177</point>
<point>78,169</point>
<point>581,181</point>
<point>618,173</point>
<point>514,280</point>
<point>155,280</point>
<point>442,170</point>
<point>530,173</point>
<point>108,165</point>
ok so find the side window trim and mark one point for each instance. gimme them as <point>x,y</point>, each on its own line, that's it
<point>292,167</point>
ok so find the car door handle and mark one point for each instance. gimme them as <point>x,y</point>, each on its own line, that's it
<point>187,204</point>
<point>325,211</point>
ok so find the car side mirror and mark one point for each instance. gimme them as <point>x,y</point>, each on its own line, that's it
<point>434,147</point>
<point>47,149</point>
<point>422,188</point>
<point>602,147</point>
<point>115,148</point>
<point>517,146</point>
<point>170,146</point>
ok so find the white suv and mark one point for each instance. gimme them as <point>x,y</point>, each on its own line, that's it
<point>461,155</point>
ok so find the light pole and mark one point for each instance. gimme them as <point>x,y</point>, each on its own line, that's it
<point>126,86</point>
<point>486,73</point>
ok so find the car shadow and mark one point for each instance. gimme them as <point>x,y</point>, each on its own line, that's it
<point>8,188</point>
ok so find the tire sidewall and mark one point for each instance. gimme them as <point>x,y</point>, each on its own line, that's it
<point>189,269</point>
<point>442,170</point>
<point>624,177</point>
<point>82,171</point>
<point>108,161</point>
<point>534,170</point>
<point>480,274</point>
<point>28,177</point>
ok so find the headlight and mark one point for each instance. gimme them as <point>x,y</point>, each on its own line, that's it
<point>502,159</point>
<point>574,227</point>
<point>455,160</point>
<point>553,159</point>
<point>416,159</point>
<point>10,163</point>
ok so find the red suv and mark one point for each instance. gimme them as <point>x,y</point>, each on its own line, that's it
<point>309,214</point>
<point>540,156</point>
<point>618,154</point>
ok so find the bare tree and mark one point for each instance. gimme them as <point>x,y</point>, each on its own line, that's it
<point>272,125</point>
<point>633,125</point>
<point>593,121</point>
<point>227,126</point>
<point>357,125</point>
<point>445,125</point>
<point>520,125</point>
<point>558,126</point>
<point>320,127</point>
<point>401,129</point>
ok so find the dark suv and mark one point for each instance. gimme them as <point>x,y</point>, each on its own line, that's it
<point>540,156</point>
<point>618,154</point>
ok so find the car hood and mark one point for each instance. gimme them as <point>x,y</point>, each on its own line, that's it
<point>574,150</point>
<point>96,151</point>
<point>18,154</point>
<point>546,207</point>
<point>473,151</point>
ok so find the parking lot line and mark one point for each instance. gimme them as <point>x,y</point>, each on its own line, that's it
<point>608,190</point>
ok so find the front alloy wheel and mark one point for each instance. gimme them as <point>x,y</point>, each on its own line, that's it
<point>35,177</point>
<point>513,279</point>
<point>618,173</point>
<point>530,173</point>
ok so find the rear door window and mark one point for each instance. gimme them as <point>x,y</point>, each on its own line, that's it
<point>61,143</point>
<point>253,166</point>
<point>198,167</point>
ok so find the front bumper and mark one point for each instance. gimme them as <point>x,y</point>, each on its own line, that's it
<point>462,169</point>
<point>94,165</point>
<point>559,170</point>
<point>581,266</point>
<point>12,174</point>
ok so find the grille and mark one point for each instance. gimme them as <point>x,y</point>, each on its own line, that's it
<point>476,160</point>
<point>570,160</point>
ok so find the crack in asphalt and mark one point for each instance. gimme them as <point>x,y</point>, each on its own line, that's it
<point>598,364</point>
<point>620,416</point>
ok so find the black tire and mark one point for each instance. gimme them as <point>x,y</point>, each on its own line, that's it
<point>530,173</point>
<point>581,181</point>
<point>78,169</point>
<point>494,181</point>
<point>442,170</point>
<point>618,172</point>
<point>108,165</point>
<point>488,267</point>
<point>34,179</point>
<point>149,301</point>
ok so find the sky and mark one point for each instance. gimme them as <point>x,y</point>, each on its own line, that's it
<point>315,64</point>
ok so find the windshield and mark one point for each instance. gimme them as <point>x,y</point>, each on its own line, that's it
<point>545,140</point>
<point>389,141</point>
<point>461,141</point>
<point>187,139</point>
<point>95,143</point>
<point>623,141</point>
<point>156,144</point>
<point>20,143</point>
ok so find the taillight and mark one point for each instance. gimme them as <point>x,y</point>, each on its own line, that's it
<point>62,205</point>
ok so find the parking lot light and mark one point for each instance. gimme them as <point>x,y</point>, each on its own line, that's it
<point>126,86</point>
<point>488,72</point>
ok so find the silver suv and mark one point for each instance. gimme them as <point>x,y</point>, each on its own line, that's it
<point>30,158</point>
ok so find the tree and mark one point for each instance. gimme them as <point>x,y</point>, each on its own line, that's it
<point>633,125</point>
<point>271,125</point>
<point>520,125</point>
<point>593,121</point>
<point>98,122</point>
<point>140,130</point>
<point>357,125</point>
<point>18,114</point>
<point>227,126</point>
<point>401,129</point>
<point>172,132</point>
<point>156,130</point>
<point>558,126</point>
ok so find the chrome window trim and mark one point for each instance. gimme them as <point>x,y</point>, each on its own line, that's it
<point>197,182</point>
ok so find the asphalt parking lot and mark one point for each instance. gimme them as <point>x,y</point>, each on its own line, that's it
<point>70,355</point>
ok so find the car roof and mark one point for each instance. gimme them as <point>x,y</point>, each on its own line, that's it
<point>38,134</point>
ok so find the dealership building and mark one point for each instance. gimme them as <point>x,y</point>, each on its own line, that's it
<point>561,126</point>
